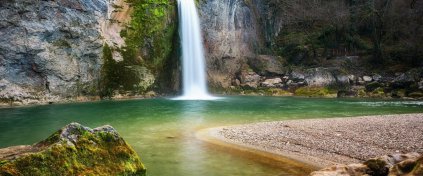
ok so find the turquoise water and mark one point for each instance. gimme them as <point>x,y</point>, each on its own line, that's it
<point>162,130</point>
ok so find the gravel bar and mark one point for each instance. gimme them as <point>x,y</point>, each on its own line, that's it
<point>323,142</point>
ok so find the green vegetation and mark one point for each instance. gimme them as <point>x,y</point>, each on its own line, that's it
<point>316,92</point>
<point>384,32</point>
<point>149,39</point>
<point>93,153</point>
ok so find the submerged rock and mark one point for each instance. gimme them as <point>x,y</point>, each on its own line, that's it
<point>73,150</point>
<point>388,165</point>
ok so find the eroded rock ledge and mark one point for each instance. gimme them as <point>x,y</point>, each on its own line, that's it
<point>387,165</point>
<point>73,150</point>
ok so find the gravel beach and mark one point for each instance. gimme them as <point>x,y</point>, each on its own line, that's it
<point>323,142</point>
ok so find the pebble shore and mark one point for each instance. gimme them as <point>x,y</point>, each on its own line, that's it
<point>323,142</point>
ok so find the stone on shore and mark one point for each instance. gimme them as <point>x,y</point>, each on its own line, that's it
<point>74,150</point>
<point>388,165</point>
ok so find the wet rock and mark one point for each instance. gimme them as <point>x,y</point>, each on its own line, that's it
<point>342,79</point>
<point>315,92</point>
<point>360,81</point>
<point>249,79</point>
<point>236,82</point>
<point>319,77</point>
<point>346,93</point>
<point>376,77</point>
<point>416,95</point>
<point>399,93</point>
<point>342,170</point>
<point>74,150</point>
<point>367,79</point>
<point>272,82</point>
<point>297,75</point>
<point>403,80</point>
<point>373,86</point>
<point>353,79</point>
<point>420,84</point>
<point>388,165</point>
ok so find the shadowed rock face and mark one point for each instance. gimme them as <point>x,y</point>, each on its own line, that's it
<point>73,150</point>
<point>234,32</point>
<point>50,50</point>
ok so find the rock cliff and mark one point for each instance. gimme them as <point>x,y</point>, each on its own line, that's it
<point>251,45</point>
<point>50,50</point>
<point>55,51</point>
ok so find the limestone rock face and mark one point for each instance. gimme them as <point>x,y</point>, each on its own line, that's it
<point>50,50</point>
<point>268,65</point>
<point>74,150</point>
<point>231,35</point>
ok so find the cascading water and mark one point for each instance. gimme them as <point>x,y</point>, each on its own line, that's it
<point>194,70</point>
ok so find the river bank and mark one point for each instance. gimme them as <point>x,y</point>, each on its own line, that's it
<point>319,143</point>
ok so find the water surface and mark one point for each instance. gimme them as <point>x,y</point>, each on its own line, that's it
<point>162,130</point>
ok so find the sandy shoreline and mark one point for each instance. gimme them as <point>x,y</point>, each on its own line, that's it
<point>317,143</point>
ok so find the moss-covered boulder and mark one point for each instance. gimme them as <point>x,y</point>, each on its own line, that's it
<point>73,150</point>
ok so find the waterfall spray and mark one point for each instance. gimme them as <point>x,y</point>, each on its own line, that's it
<point>194,84</point>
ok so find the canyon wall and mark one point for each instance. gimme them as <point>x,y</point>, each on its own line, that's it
<point>276,47</point>
<point>50,50</point>
<point>81,50</point>
<point>236,32</point>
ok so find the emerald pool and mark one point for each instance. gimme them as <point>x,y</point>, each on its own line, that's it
<point>162,130</point>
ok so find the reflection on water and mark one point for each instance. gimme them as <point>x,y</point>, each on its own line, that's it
<point>162,130</point>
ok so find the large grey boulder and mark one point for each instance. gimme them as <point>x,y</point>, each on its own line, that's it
<point>319,77</point>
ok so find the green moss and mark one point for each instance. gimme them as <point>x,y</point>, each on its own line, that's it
<point>99,153</point>
<point>361,92</point>
<point>377,93</point>
<point>149,39</point>
<point>373,86</point>
<point>315,92</point>
<point>149,29</point>
<point>277,92</point>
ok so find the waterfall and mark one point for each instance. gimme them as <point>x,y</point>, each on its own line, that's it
<point>194,84</point>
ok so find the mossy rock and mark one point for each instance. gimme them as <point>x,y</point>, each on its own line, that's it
<point>377,167</point>
<point>378,93</point>
<point>315,92</point>
<point>74,150</point>
<point>373,86</point>
<point>278,92</point>
<point>400,93</point>
<point>416,94</point>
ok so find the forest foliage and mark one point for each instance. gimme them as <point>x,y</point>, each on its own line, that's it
<point>383,31</point>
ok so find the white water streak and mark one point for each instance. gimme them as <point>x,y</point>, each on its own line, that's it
<point>193,64</point>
